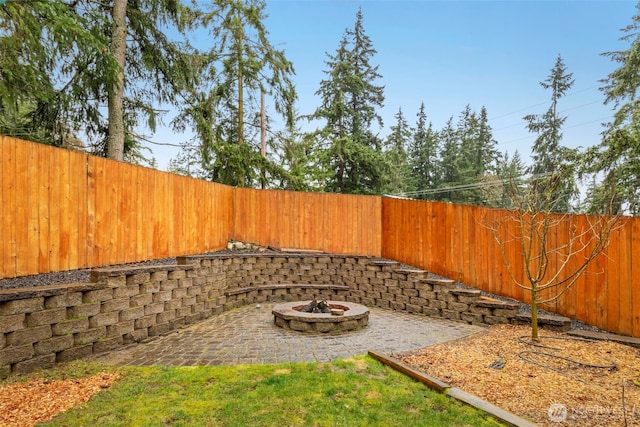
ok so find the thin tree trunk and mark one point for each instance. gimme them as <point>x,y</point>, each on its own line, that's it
<point>115,139</point>
<point>534,316</point>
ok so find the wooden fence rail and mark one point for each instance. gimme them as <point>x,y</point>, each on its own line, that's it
<point>64,210</point>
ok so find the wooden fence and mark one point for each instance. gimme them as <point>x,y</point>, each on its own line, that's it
<point>64,210</point>
<point>456,241</point>
<point>330,222</point>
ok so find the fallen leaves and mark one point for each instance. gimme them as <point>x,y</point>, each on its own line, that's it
<point>589,396</point>
<point>26,404</point>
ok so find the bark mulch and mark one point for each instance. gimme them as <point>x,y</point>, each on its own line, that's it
<point>562,381</point>
<point>27,403</point>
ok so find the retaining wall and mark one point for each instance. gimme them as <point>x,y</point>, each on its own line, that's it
<point>41,326</point>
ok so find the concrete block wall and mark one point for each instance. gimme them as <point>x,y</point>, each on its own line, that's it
<point>45,325</point>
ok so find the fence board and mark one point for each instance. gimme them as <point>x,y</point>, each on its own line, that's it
<point>44,203</point>
<point>613,266</point>
<point>77,212</point>
<point>67,205</point>
<point>635,277</point>
<point>21,220</point>
<point>9,192</point>
<point>625,282</point>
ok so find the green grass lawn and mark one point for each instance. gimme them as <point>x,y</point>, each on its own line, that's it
<point>351,392</point>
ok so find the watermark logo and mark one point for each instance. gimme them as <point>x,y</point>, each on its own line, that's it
<point>557,412</point>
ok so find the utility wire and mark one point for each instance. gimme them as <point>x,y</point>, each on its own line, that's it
<point>474,185</point>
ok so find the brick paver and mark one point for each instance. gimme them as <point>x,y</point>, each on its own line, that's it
<point>248,335</point>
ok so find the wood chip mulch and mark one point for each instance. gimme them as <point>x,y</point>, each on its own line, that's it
<point>569,382</point>
<point>25,404</point>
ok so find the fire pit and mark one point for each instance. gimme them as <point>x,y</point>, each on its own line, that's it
<point>342,316</point>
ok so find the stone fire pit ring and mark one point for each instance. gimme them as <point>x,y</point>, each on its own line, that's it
<point>356,316</point>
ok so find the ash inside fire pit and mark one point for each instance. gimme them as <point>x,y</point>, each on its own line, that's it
<point>321,316</point>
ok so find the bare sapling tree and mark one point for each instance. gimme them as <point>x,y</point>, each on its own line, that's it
<point>544,251</point>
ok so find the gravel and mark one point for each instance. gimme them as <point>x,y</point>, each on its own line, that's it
<point>70,276</point>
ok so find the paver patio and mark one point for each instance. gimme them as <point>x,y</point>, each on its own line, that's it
<point>248,335</point>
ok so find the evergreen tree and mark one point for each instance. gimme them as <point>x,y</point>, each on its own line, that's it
<point>469,158</point>
<point>616,158</point>
<point>424,156</point>
<point>71,57</point>
<point>349,150</point>
<point>549,157</point>
<point>241,69</point>
<point>511,173</point>
<point>398,178</point>
<point>451,176</point>
<point>46,51</point>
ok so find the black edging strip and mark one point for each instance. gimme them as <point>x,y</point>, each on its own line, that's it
<point>444,388</point>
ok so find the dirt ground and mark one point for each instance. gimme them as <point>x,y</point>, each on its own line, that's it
<point>568,382</point>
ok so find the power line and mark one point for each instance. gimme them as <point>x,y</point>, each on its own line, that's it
<point>544,103</point>
<point>473,185</point>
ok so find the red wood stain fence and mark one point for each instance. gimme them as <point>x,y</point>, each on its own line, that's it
<point>64,210</point>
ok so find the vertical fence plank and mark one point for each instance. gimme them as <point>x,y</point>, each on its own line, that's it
<point>91,212</point>
<point>613,266</point>
<point>101,229</point>
<point>635,277</point>
<point>67,204</point>
<point>124,215</point>
<point>79,168</point>
<point>21,219</point>
<point>468,222</point>
<point>482,248</point>
<point>625,282</point>
<point>598,294</point>
<point>147,226</point>
<point>31,209</point>
<point>46,172</point>
<point>8,244</point>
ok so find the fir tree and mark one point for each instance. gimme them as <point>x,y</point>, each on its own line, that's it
<point>424,156</point>
<point>239,69</point>
<point>616,157</point>
<point>398,177</point>
<point>349,150</point>
<point>549,157</point>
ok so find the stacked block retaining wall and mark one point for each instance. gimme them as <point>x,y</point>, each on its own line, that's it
<point>41,326</point>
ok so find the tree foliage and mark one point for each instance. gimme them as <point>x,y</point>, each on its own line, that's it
<point>239,68</point>
<point>616,158</point>
<point>52,63</point>
<point>423,156</point>
<point>60,70</point>
<point>349,151</point>
<point>547,153</point>
<point>398,179</point>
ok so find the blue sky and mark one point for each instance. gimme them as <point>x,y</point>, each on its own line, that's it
<point>449,54</point>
